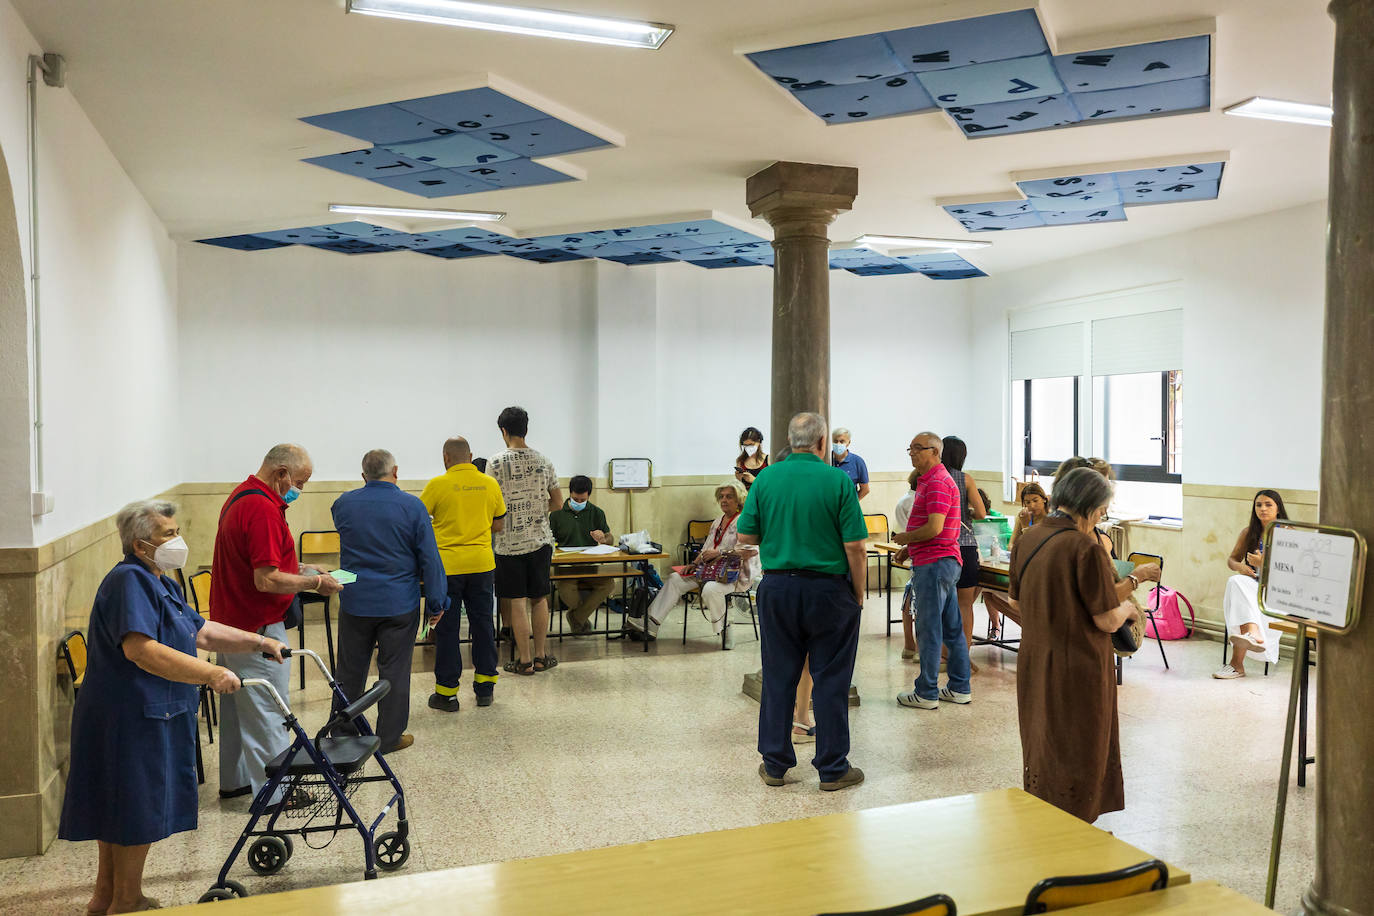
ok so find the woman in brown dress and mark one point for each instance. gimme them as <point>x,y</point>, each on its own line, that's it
<point>1062,583</point>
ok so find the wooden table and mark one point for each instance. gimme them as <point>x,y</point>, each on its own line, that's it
<point>1206,898</point>
<point>571,560</point>
<point>985,850</point>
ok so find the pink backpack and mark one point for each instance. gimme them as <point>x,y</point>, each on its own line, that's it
<point>1168,617</point>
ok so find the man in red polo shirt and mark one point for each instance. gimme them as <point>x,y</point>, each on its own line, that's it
<point>255,577</point>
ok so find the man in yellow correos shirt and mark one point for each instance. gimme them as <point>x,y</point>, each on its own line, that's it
<point>466,507</point>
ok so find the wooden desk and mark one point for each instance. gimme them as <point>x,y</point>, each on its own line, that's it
<point>570,560</point>
<point>1206,898</point>
<point>985,850</point>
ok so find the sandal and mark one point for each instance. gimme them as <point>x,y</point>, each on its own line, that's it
<point>808,733</point>
<point>908,654</point>
<point>544,662</point>
<point>519,667</point>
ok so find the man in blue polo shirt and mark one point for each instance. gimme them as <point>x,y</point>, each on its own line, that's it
<point>386,539</point>
<point>805,517</point>
<point>847,461</point>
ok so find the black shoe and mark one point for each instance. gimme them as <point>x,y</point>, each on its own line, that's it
<point>639,635</point>
<point>295,800</point>
<point>443,703</point>
<point>485,700</point>
<point>235,793</point>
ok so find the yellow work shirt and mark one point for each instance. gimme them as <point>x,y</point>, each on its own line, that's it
<point>462,502</point>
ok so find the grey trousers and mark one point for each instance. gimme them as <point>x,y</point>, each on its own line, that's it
<point>394,640</point>
<point>250,725</point>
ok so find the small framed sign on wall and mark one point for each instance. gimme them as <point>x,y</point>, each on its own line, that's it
<point>1312,575</point>
<point>630,473</point>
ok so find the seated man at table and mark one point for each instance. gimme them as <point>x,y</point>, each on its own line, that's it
<point>581,523</point>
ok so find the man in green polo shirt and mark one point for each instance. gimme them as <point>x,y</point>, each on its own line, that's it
<point>581,523</point>
<point>806,519</point>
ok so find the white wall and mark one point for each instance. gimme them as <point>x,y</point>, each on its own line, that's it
<point>108,309</point>
<point>1252,293</point>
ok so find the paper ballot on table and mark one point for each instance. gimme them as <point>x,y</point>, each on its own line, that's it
<point>1311,574</point>
<point>344,577</point>
<point>600,550</point>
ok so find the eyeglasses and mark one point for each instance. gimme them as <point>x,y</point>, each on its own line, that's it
<point>920,448</point>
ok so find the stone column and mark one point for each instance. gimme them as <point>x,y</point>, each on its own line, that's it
<point>799,201</point>
<point>1344,881</point>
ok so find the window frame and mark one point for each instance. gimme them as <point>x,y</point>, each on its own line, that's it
<point>1147,473</point>
<point>1047,467</point>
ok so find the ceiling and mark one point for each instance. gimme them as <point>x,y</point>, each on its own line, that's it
<point>201,103</point>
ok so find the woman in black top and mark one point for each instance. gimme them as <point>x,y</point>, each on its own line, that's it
<point>752,458</point>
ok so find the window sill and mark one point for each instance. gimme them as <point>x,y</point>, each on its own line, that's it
<point>1147,523</point>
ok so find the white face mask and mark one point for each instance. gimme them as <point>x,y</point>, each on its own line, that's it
<point>751,450</point>
<point>170,555</point>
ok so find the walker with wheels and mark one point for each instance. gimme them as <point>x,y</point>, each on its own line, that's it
<point>326,772</point>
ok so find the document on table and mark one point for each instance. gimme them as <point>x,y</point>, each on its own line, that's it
<point>572,550</point>
<point>599,550</point>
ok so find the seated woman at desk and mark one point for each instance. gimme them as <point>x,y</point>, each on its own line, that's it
<point>752,458</point>
<point>720,542</point>
<point>1249,631</point>
<point>1035,508</point>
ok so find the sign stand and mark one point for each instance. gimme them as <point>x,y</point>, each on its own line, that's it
<point>1312,577</point>
<point>628,476</point>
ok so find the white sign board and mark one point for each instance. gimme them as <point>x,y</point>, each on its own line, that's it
<point>631,473</point>
<point>1312,574</point>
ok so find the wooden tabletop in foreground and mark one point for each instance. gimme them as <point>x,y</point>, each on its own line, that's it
<point>1205,898</point>
<point>985,850</point>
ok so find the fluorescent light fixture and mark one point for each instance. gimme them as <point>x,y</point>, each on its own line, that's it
<point>1278,110</point>
<point>520,20</point>
<point>905,241</point>
<point>485,216</point>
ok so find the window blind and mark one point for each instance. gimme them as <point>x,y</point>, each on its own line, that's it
<point>1151,342</point>
<point>1051,352</point>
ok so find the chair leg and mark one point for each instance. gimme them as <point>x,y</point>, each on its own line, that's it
<point>301,630</point>
<point>1118,671</point>
<point>1155,624</point>
<point>200,761</point>
<point>329,635</point>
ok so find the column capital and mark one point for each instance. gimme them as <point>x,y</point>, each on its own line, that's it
<point>795,193</point>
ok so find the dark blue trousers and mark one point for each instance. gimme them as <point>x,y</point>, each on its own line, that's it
<point>800,617</point>
<point>472,592</point>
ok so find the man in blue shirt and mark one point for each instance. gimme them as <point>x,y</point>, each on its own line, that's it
<point>847,461</point>
<point>385,538</point>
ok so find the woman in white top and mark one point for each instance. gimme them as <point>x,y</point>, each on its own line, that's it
<point>721,540</point>
<point>1249,630</point>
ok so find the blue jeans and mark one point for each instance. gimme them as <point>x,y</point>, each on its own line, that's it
<point>938,622</point>
<point>800,617</point>
<point>473,592</point>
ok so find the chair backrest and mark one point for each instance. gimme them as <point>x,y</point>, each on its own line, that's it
<point>934,905</point>
<point>878,526</point>
<point>199,593</point>
<point>697,529</point>
<point>73,652</point>
<point>1075,890</point>
<point>319,542</point>
<point>1136,558</point>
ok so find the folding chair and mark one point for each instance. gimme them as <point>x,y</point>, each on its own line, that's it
<point>198,592</point>
<point>1076,890</point>
<point>934,905</point>
<point>878,530</point>
<point>747,597</point>
<point>317,544</point>
<point>1138,559</point>
<point>697,529</point>
<point>72,650</point>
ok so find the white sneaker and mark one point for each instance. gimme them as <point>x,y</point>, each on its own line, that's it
<point>1247,642</point>
<point>1226,672</point>
<point>950,696</point>
<point>916,702</point>
<point>634,624</point>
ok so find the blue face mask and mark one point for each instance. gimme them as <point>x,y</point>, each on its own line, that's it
<point>839,448</point>
<point>290,495</point>
<point>577,506</point>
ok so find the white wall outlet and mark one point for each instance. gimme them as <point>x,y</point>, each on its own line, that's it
<point>43,503</point>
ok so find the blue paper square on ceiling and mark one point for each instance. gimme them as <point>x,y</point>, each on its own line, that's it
<point>1135,65</point>
<point>1092,200</point>
<point>881,98</point>
<point>352,246</point>
<point>892,268</point>
<point>958,273</point>
<point>723,235</point>
<point>829,63</point>
<point>1148,178</point>
<point>1172,193</point>
<point>436,183</point>
<point>1068,186</point>
<point>370,163</point>
<point>996,81</point>
<point>980,221</point>
<point>487,241</point>
<point>355,228</point>
<point>576,241</point>
<point>545,137</point>
<point>968,41</point>
<point>244,242</point>
<point>1015,117</point>
<point>718,263</point>
<point>407,240</point>
<point>308,235</point>
<point>379,124</point>
<point>1114,213</point>
<point>515,173</point>
<point>1140,101</point>
<point>547,255</point>
<point>638,258</point>
<point>453,151</point>
<point>997,208</point>
<point>472,109</point>
<point>453,252</point>
<point>839,257</point>
<point>667,230</point>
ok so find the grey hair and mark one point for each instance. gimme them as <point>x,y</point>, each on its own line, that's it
<point>732,486</point>
<point>933,439</point>
<point>135,521</point>
<point>1080,491</point>
<point>292,457</point>
<point>805,430</point>
<point>841,431</point>
<point>378,464</point>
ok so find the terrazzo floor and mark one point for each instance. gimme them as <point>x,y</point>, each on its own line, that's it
<point>617,746</point>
